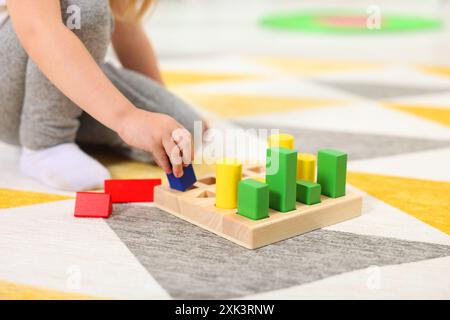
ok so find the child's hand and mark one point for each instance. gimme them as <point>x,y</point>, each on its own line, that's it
<point>163,136</point>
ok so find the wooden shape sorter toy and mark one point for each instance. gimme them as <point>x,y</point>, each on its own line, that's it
<point>197,205</point>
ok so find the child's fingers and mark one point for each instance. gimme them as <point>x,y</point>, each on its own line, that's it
<point>162,160</point>
<point>187,153</point>
<point>174,153</point>
<point>183,139</point>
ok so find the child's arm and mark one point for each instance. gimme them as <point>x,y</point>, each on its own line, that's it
<point>66,62</point>
<point>134,49</point>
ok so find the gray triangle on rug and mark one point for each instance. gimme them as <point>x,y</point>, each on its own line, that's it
<point>192,263</point>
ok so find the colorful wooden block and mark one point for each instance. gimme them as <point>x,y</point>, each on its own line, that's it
<point>281,140</point>
<point>253,199</point>
<point>185,182</point>
<point>93,205</point>
<point>308,192</point>
<point>228,175</point>
<point>332,172</point>
<point>131,190</point>
<point>281,173</point>
<point>306,167</point>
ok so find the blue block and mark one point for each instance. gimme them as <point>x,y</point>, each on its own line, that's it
<point>185,182</point>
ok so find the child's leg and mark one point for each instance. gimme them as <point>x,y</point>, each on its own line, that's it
<point>50,121</point>
<point>13,63</point>
<point>49,118</point>
<point>145,94</point>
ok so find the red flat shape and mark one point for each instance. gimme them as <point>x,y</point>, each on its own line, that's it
<point>345,21</point>
<point>93,205</point>
<point>133,190</point>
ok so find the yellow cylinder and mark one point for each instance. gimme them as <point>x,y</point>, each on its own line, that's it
<point>306,167</point>
<point>228,175</point>
<point>281,140</point>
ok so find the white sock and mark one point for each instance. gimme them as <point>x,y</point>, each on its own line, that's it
<point>64,167</point>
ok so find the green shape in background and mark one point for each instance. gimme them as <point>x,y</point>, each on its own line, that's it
<point>310,21</point>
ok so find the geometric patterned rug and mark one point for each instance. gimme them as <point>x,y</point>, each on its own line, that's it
<point>397,134</point>
<point>191,263</point>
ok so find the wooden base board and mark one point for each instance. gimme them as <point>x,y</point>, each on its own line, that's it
<point>197,206</point>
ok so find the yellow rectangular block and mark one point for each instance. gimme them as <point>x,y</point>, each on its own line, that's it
<point>281,140</point>
<point>306,167</point>
<point>228,175</point>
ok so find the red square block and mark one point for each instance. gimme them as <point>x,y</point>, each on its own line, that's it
<point>137,190</point>
<point>93,205</point>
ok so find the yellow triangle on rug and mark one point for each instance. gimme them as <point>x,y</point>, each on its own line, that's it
<point>10,198</point>
<point>302,66</point>
<point>440,115</point>
<point>14,291</point>
<point>426,200</point>
<point>235,105</point>
<point>174,78</point>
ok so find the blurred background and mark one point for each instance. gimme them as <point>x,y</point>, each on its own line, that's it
<point>344,66</point>
<point>182,28</point>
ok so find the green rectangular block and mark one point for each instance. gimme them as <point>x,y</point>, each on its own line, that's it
<point>308,192</point>
<point>253,199</point>
<point>281,174</point>
<point>332,172</point>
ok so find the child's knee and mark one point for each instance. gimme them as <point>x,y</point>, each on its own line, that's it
<point>91,21</point>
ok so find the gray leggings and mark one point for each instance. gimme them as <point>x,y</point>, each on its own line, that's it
<point>36,115</point>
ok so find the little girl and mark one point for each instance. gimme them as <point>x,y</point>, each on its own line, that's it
<point>56,90</point>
